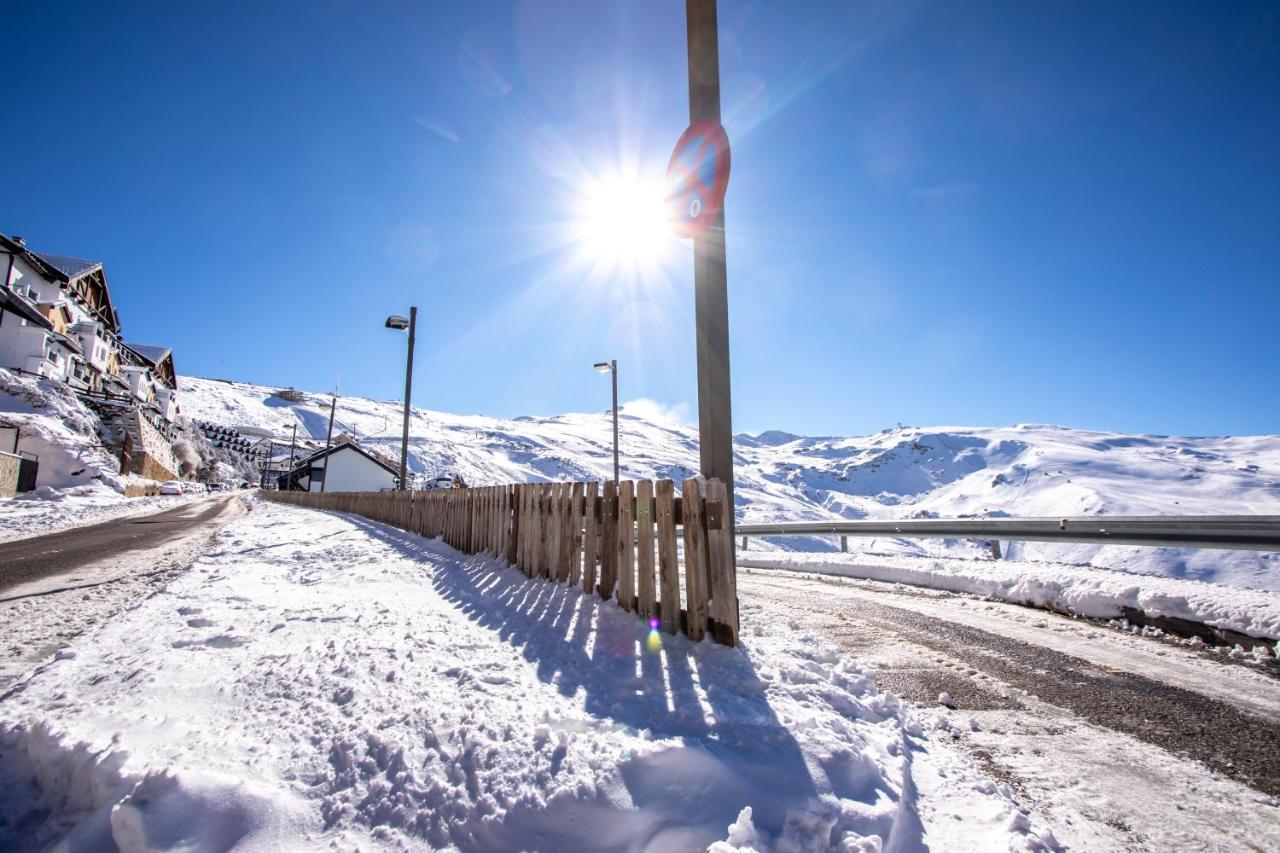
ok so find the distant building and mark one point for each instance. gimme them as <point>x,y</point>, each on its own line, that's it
<point>345,467</point>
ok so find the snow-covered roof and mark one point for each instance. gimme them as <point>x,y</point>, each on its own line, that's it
<point>70,267</point>
<point>153,355</point>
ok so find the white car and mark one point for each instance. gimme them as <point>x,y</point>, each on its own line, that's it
<point>173,487</point>
<point>438,483</point>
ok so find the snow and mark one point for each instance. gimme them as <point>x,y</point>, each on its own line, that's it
<point>1080,590</point>
<point>58,428</point>
<point>49,510</point>
<point>317,680</point>
<point>79,479</point>
<point>1023,470</point>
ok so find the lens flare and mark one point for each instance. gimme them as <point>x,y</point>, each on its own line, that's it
<point>654,641</point>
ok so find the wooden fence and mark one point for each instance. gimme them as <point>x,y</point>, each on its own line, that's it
<point>616,539</point>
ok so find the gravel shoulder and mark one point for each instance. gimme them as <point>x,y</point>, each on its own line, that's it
<point>1088,723</point>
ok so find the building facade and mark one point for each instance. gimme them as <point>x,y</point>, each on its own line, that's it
<point>341,468</point>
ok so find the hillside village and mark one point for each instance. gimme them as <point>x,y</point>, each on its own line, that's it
<point>60,329</point>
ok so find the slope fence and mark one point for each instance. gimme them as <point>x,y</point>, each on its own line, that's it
<point>618,540</point>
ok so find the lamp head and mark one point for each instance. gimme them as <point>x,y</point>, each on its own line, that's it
<point>603,367</point>
<point>395,321</point>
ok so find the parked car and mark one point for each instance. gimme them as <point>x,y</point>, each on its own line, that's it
<point>172,487</point>
<point>438,483</point>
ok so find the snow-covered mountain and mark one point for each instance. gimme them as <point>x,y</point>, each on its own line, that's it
<point>1023,470</point>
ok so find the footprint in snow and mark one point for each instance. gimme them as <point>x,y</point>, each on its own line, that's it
<point>199,623</point>
<point>221,641</point>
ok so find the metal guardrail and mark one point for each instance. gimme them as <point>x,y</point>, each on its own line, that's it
<point>1248,532</point>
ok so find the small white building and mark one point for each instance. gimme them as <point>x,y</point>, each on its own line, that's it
<point>341,468</point>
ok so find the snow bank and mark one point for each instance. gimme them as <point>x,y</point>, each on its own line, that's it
<point>48,510</point>
<point>336,682</point>
<point>59,429</point>
<point>1082,590</point>
<point>1024,470</point>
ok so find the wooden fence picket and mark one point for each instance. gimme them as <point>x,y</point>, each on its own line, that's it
<point>646,603</point>
<point>609,541</point>
<point>695,561</point>
<point>723,610</point>
<point>668,568</point>
<point>590,537</point>
<point>575,535</point>
<point>626,545</point>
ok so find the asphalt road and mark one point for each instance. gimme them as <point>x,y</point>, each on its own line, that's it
<point>39,557</point>
<point>992,670</point>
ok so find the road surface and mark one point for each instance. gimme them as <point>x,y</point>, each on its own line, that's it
<point>40,557</point>
<point>54,588</point>
<point>1122,741</point>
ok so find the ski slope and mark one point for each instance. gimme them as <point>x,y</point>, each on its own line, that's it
<point>1023,470</point>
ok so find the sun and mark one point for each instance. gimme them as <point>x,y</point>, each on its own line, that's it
<point>622,224</point>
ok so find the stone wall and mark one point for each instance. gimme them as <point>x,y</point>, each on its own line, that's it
<point>9,464</point>
<point>151,454</point>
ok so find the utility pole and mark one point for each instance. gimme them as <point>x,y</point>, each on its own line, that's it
<point>614,371</point>
<point>293,442</point>
<point>328,439</point>
<point>408,393</point>
<point>710,280</point>
<point>711,300</point>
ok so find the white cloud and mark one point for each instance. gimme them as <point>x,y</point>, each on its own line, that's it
<point>652,410</point>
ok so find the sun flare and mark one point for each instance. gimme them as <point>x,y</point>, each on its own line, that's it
<point>623,224</point>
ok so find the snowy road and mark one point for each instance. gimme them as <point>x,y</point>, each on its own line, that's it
<point>72,580</point>
<point>26,560</point>
<point>1109,732</point>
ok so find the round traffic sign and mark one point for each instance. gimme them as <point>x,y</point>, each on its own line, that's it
<point>697,177</point>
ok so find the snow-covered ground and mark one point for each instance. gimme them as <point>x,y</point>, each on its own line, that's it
<point>317,681</point>
<point>1024,470</point>
<point>1080,590</point>
<point>60,430</point>
<point>48,510</point>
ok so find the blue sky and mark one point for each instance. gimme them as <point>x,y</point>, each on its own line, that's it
<point>980,213</point>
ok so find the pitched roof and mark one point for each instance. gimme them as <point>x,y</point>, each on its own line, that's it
<point>69,267</point>
<point>329,451</point>
<point>67,270</point>
<point>154,355</point>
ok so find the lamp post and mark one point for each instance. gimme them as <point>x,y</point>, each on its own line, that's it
<point>611,367</point>
<point>395,321</point>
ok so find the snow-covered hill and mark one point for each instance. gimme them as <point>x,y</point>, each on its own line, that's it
<point>1023,470</point>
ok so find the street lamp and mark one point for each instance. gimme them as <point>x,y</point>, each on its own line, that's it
<point>611,367</point>
<point>399,323</point>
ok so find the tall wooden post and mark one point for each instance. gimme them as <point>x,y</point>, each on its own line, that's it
<point>710,280</point>
<point>328,439</point>
<point>408,392</point>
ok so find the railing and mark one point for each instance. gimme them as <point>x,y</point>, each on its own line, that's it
<point>1249,532</point>
<point>618,541</point>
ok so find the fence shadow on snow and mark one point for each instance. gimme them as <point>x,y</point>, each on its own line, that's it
<point>637,677</point>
